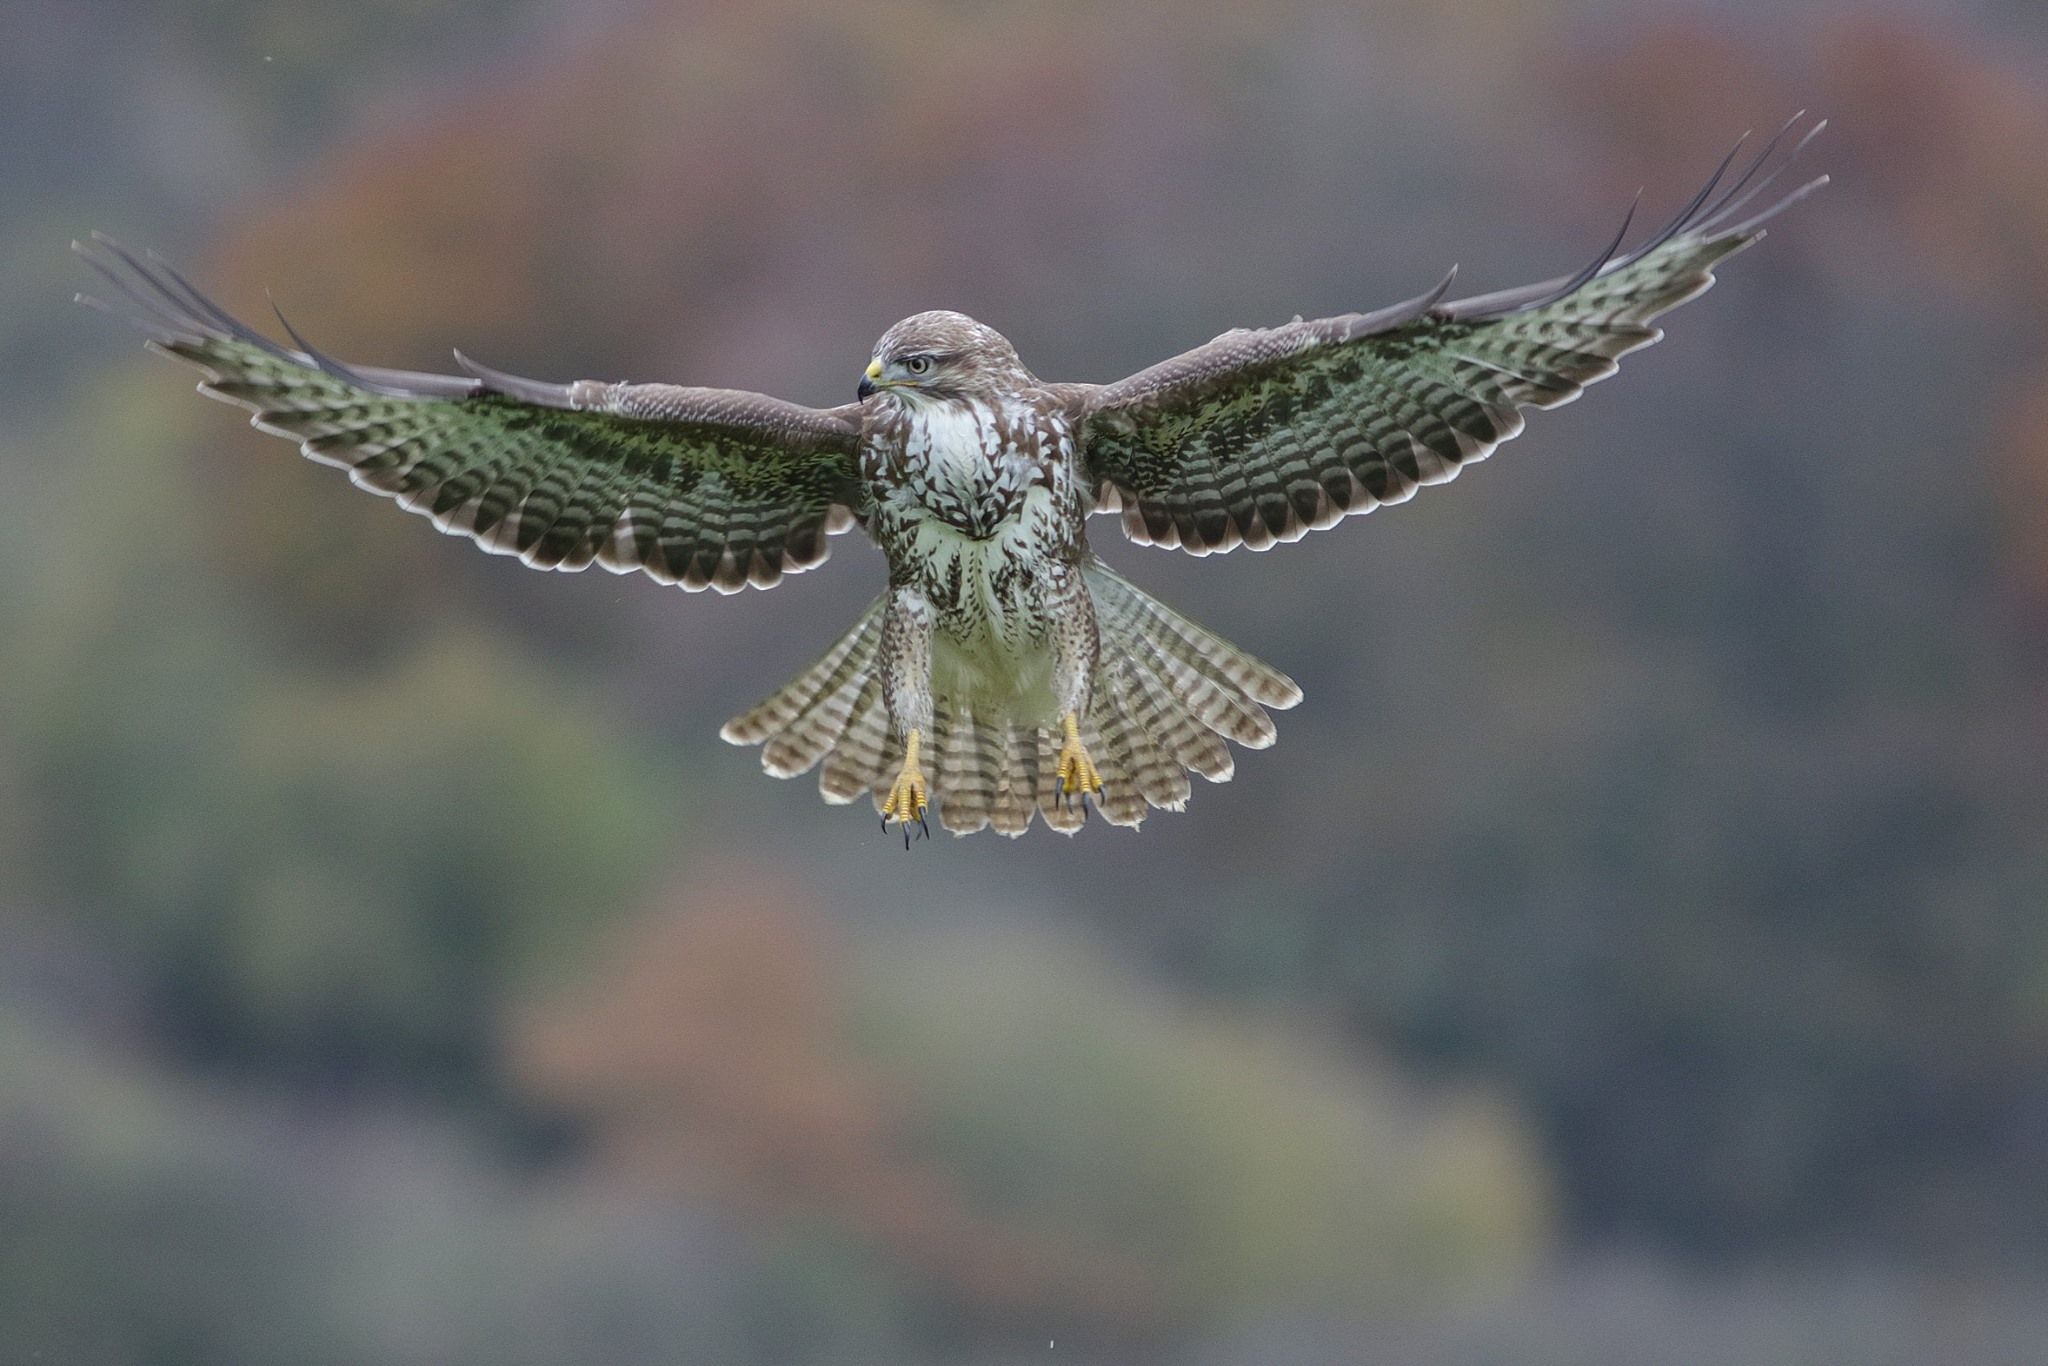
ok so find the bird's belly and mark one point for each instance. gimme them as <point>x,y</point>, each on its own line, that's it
<point>990,644</point>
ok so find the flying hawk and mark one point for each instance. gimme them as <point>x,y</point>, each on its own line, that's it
<point>1005,672</point>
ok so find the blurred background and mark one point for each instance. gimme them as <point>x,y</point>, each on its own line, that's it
<point>1635,949</point>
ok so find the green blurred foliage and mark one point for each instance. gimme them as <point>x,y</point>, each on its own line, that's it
<point>1006,1128</point>
<point>1247,1164</point>
<point>149,1220</point>
<point>318,873</point>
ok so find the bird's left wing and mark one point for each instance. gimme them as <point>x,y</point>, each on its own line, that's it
<point>709,488</point>
<point>1263,436</point>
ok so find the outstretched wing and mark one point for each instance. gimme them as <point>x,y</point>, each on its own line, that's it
<point>703,487</point>
<point>1264,436</point>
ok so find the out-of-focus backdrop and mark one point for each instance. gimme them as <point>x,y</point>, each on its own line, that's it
<point>1635,949</point>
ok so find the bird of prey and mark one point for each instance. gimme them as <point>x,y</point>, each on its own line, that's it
<point>1005,672</point>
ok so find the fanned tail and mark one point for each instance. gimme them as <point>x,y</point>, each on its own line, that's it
<point>850,659</point>
<point>1168,694</point>
<point>831,713</point>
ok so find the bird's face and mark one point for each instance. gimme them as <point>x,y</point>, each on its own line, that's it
<point>941,355</point>
<point>912,370</point>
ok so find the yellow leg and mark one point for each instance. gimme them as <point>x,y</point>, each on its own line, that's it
<point>1077,771</point>
<point>907,798</point>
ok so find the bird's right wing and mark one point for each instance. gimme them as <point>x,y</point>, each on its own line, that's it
<point>1262,436</point>
<point>709,488</point>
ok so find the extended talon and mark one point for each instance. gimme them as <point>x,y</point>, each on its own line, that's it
<point>908,798</point>
<point>1077,773</point>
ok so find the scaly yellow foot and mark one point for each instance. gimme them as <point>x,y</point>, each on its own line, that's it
<point>1077,771</point>
<point>907,799</point>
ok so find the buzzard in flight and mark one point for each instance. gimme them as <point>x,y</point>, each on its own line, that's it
<point>1005,672</point>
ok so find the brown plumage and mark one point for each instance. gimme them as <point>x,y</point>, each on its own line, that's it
<point>1005,673</point>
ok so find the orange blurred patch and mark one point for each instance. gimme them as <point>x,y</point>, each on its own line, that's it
<point>710,1058</point>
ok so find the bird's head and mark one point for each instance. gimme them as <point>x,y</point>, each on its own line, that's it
<point>942,355</point>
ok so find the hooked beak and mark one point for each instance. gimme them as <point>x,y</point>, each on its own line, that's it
<point>867,383</point>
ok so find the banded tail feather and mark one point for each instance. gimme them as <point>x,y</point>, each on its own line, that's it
<point>1168,694</point>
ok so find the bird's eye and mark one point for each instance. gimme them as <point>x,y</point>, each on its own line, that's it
<point>917,365</point>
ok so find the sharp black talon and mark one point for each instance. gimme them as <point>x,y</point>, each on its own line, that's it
<point>1084,808</point>
<point>922,825</point>
<point>906,837</point>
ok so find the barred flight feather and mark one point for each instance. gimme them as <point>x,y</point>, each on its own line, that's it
<point>1261,436</point>
<point>742,487</point>
<point>793,699</point>
<point>855,761</point>
<point>1016,798</point>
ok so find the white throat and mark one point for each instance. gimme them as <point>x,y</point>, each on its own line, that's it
<point>952,439</point>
